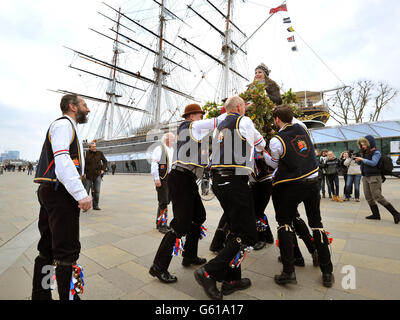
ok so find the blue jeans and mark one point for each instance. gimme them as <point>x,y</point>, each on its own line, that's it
<point>353,179</point>
<point>333,182</point>
<point>95,186</point>
<point>324,178</point>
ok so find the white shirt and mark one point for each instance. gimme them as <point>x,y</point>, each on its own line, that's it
<point>253,137</point>
<point>156,158</point>
<point>61,134</point>
<point>201,128</point>
<point>276,148</point>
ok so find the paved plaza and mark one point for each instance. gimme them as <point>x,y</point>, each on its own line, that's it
<point>120,241</point>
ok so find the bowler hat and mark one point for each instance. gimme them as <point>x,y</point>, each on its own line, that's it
<point>192,108</point>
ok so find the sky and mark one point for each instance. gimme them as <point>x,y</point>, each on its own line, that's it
<point>357,39</point>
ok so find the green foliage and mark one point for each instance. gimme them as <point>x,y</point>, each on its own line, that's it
<point>289,97</point>
<point>212,109</point>
<point>260,108</point>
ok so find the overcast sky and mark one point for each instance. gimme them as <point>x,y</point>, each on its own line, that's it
<point>357,39</point>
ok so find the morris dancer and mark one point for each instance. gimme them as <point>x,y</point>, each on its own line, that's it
<point>232,159</point>
<point>190,159</point>
<point>296,181</point>
<point>160,169</point>
<point>61,195</point>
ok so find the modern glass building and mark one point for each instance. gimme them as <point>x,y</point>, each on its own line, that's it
<point>341,138</point>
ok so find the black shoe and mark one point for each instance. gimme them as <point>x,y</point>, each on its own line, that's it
<point>315,260</point>
<point>396,218</point>
<point>375,213</point>
<point>186,262</point>
<point>208,284</point>
<point>231,287</point>
<point>285,278</point>
<point>96,208</point>
<point>373,217</point>
<point>328,279</point>
<point>162,275</point>
<point>164,229</point>
<point>259,245</point>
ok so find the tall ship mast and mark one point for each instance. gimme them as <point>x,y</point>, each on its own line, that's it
<point>158,65</point>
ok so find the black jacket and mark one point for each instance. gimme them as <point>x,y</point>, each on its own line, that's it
<point>332,166</point>
<point>94,163</point>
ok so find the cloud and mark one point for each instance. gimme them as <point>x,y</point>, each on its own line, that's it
<point>23,130</point>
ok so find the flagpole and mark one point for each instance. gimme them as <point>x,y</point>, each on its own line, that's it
<point>257,29</point>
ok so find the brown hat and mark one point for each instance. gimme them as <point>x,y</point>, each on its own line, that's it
<point>192,108</point>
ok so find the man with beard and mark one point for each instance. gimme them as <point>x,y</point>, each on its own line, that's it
<point>61,195</point>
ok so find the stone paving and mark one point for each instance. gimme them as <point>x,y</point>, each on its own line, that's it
<point>119,243</point>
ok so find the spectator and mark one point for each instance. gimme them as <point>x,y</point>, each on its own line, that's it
<point>343,169</point>
<point>322,160</point>
<point>127,166</point>
<point>30,168</point>
<point>113,168</point>
<point>372,179</point>
<point>133,165</point>
<point>353,176</point>
<point>320,174</point>
<point>95,166</point>
<point>398,161</point>
<point>332,165</point>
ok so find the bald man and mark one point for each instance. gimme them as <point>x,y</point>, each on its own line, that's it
<point>160,169</point>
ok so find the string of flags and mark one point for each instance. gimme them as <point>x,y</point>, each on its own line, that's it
<point>283,7</point>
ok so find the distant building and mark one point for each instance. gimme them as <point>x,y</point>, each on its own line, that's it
<point>9,155</point>
<point>341,138</point>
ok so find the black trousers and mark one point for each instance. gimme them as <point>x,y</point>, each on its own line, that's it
<point>261,194</point>
<point>163,197</point>
<point>59,238</point>
<point>58,224</point>
<point>286,197</point>
<point>189,214</point>
<point>236,199</point>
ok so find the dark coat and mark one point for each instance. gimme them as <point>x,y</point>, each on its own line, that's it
<point>273,91</point>
<point>94,163</point>
<point>371,154</point>
<point>332,166</point>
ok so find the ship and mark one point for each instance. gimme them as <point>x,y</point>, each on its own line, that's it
<point>315,112</point>
<point>144,99</point>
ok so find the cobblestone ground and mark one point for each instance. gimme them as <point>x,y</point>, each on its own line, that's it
<point>119,243</point>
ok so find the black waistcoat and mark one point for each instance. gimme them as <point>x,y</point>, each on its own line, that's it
<point>190,151</point>
<point>230,148</point>
<point>164,163</point>
<point>45,171</point>
<point>298,159</point>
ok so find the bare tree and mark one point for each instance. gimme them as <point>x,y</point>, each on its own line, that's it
<point>385,94</point>
<point>352,103</point>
